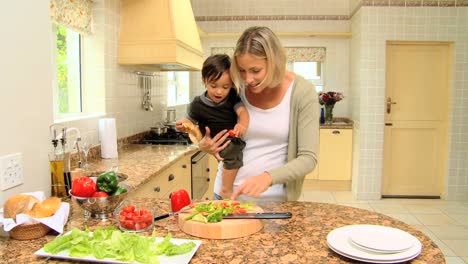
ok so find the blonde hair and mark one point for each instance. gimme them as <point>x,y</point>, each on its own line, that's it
<point>263,43</point>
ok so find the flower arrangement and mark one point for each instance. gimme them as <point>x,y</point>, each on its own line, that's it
<point>328,99</point>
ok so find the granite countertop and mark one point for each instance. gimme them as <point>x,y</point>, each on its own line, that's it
<point>301,239</point>
<point>339,123</point>
<point>142,162</point>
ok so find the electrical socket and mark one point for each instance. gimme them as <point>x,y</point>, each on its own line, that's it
<point>11,171</point>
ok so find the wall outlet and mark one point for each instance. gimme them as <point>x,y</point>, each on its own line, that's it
<point>11,171</point>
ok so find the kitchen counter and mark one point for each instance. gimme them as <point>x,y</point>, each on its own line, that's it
<point>301,239</point>
<point>142,162</point>
<point>339,123</point>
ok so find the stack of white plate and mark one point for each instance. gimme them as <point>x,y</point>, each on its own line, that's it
<point>373,243</point>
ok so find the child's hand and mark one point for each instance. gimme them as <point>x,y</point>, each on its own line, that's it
<point>179,126</point>
<point>239,130</point>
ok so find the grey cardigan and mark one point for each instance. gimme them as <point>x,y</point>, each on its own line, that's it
<point>303,139</point>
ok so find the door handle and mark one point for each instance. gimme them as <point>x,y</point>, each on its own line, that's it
<point>389,105</point>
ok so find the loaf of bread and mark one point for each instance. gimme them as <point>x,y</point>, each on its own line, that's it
<point>30,205</point>
<point>19,204</point>
<point>47,208</point>
<point>193,132</point>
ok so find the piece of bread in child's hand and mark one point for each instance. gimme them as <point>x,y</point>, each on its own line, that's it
<point>193,132</point>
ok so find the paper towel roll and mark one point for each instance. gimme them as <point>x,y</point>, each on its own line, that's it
<point>108,138</point>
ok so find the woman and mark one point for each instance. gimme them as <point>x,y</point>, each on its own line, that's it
<point>282,138</point>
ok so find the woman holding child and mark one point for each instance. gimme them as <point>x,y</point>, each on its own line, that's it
<point>282,136</point>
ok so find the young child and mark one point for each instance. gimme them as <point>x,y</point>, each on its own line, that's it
<point>219,108</point>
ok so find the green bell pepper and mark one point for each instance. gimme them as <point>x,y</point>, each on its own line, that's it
<point>120,190</point>
<point>107,182</point>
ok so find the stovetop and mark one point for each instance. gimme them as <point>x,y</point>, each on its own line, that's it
<point>169,138</point>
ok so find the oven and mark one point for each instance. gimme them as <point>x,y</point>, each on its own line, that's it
<point>200,175</point>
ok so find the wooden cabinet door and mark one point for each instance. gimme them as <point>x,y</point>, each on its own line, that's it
<point>335,154</point>
<point>157,187</point>
<point>181,176</point>
<point>212,171</point>
<point>175,177</point>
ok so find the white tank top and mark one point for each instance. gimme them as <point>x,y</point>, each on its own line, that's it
<point>266,146</point>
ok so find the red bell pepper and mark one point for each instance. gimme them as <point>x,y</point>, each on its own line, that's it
<point>179,199</point>
<point>83,187</point>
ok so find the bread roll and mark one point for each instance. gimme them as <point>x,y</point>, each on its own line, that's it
<point>193,132</point>
<point>19,204</point>
<point>47,208</point>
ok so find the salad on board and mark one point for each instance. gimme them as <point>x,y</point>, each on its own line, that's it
<point>213,212</point>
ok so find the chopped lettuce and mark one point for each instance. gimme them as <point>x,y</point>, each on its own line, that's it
<point>108,242</point>
<point>212,212</point>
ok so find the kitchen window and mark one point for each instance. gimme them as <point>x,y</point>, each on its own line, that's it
<point>309,62</point>
<point>311,71</point>
<point>67,80</point>
<point>178,88</point>
<point>71,21</point>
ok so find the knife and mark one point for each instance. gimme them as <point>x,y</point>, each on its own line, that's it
<point>166,215</point>
<point>265,215</point>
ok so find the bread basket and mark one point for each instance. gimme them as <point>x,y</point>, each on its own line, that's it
<point>29,231</point>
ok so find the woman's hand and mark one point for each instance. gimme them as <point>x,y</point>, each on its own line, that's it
<point>253,186</point>
<point>214,145</point>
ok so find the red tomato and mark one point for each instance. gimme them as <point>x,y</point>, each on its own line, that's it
<point>179,199</point>
<point>144,212</point>
<point>122,218</point>
<point>83,187</point>
<point>129,224</point>
<point>129,208</point>
<point>100,194</point>
<point>232,133</point>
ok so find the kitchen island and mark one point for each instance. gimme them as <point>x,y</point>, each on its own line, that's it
<point>301,239</point>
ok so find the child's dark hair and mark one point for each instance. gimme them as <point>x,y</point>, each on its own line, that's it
<point>214,66</point>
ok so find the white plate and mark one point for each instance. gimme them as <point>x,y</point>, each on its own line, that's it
<point>338,241</point>
<point>179,259</point>
<point>374,261</point>
<point>381,238</point>
<point>374,250</point>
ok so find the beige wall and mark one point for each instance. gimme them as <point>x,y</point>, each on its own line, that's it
<point>25,94</point>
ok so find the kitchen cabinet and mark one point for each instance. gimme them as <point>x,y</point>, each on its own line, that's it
<point>212,170</point>
<point>175,177</point>
<point>335,154</point>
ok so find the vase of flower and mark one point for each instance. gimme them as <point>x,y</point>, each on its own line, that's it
<point>328,100</point>
<point>329,113</point>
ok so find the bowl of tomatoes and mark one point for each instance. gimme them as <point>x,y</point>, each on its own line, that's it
<point>134,217</point>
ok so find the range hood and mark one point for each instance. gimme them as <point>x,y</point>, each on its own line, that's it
<point>159,35</point>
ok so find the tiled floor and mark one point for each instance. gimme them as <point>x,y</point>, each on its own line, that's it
<point>445,222</point>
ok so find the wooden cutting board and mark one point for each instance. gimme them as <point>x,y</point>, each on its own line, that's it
<point>226,229</point>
